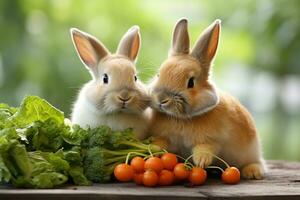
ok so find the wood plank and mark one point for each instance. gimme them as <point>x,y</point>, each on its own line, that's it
<point>281,182</point>
<point>105,191</point>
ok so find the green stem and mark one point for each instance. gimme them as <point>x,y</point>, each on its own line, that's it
<point>151,155</point>
<point>189,165</point>
<point>127,157</point>
<point>137,145</point>
<point>117,153</point>
<point>154,148</point>
<point>135,153</point>
<point>149,150</point>
<point>138,153</point>
<point>122,152</point>
<point>116,159</point>
<point>185,160</point>
<point>133,150</point>
<point>213,155</point>
<point>215,167</point>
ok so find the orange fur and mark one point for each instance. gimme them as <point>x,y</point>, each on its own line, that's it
<point>202,118</point>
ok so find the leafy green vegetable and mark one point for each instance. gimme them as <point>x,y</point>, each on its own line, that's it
<point>101,157</point>
<point>78,176</point>
<point>75,135</point>
<point>94,165</point>
<point>48,180</point>
<point>5,113</point>
<point>98,137</point>
<point>4,172</point>
<point>8,109</point>
<point>39,148</point>
<point>19,156</point>
<point>45,136</point>
<point>8,138</point>
<point>34,109</point>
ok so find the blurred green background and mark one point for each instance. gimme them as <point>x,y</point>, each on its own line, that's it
<point>258,58</point>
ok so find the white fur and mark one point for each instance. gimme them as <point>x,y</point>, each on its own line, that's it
<point>118,101</point>
<point>87,115</point>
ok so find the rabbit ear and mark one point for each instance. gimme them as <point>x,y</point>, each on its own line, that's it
<point>207,44</point>
<point>181,41</point>
<point>89,49</point>
<point>130,43</point>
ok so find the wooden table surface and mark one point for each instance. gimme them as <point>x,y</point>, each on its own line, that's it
<point>281,182</point>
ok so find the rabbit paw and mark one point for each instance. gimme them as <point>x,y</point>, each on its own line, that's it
<point>202,159</point>
<point>163,144</point>
<point>253,171</point>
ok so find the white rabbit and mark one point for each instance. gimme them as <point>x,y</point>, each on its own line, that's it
<point>114,97</point>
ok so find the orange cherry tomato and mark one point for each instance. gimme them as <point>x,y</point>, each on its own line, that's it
<point>123,172</point>
<point>155,164</point>
<point>166,177</point>
<point>169,160</point>
<point>138,163</point>
<point>150,178</point>
<point>138,178</point>
<point>181,172</point>
<point>197,176</point>
<point>231,175</point>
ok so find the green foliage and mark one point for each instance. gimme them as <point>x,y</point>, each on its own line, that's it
<point>104,149</point>
<point>93,162</point>
<point>39,150</point>
<point>5,113</point>
<point>34,109</point>
<point>78,176</point>
<point>4,172</point>
<point>36,147</point>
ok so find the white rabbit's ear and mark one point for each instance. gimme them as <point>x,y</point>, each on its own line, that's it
<point>207,44</point>
<point>89,49</point>
<point>181,40</point>
<point>130,43</point>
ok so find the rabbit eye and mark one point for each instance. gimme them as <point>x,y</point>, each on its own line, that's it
<point>191,83</point>
<point>135,78</point>
<point>105,78</point>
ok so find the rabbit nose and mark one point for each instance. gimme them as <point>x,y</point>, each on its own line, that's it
<point>124,96</point>
<point>124,99</point>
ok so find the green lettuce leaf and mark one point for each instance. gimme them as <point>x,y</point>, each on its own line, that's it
<point>78,177</point>
<point>4,172</point>
<point>5,113</point>
<point>19,156</point>
<point>8,138</point>
<point>49,180</point>
<point>45,136</point>
<point>34,109</point>
<point>75,135</point>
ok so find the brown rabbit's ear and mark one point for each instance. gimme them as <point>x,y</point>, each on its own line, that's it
<point>130,43</point>
<point>181,40</point>
<point>89,49</point>
<point>207,44</point>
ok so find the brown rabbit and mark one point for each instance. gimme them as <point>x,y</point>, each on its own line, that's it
<point>192,116</point>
